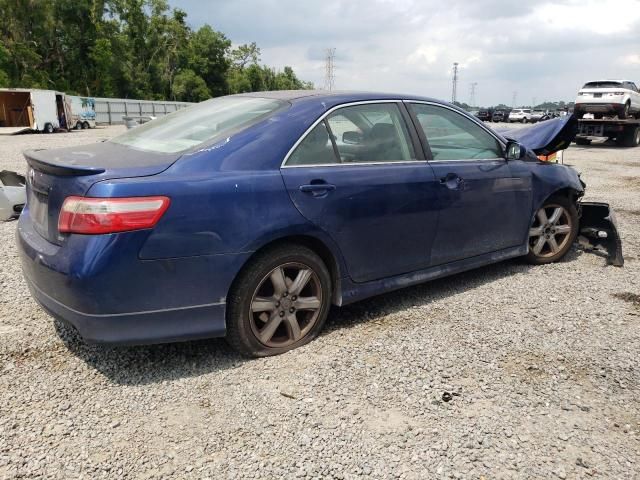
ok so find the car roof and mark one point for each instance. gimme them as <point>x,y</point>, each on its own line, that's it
<point>334,96</point>
<point>609,80</point>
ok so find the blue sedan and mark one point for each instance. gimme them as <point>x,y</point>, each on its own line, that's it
<point>248,216</point>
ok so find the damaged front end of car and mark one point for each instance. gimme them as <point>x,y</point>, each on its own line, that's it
<point>598,230</point>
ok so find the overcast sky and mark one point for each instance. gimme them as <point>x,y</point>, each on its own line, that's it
<point>541,50</point>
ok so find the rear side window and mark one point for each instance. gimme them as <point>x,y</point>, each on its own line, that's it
<point>368,133</point>
<point>198,124</point>
<point>371,133</point>
<point>452,136</point>
<point>315,149</point>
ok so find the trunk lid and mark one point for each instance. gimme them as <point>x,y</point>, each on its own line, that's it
<point>53,175</point>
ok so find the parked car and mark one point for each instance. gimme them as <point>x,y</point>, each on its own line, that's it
<point>485,114</point>
<point>539,115</point>
<point>608,97</point>
<point>500,116</point>
<point>248,216</point>
<point>522,115</point>
<point>13,194</point>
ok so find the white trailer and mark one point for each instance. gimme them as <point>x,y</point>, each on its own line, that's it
<point>83,112</point>
<point>24,109</point>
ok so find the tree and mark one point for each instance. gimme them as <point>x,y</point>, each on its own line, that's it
<point>190,87</point>
<point>207,56</point>
<point>125,48</point>
<point>245,55</point>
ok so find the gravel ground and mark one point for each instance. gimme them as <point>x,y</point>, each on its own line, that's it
<point>539,366</point>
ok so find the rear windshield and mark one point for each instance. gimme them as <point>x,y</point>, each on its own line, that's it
<point>602,85</point>
<point>198,124</point>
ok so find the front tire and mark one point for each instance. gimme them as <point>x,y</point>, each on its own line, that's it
<point>553,230</point>
<point>279,301</point>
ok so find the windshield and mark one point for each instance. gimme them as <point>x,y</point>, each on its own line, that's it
<point>602,85</point>
<point>198,124</point>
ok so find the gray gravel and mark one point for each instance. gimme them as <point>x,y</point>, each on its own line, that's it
<point>540,364</point>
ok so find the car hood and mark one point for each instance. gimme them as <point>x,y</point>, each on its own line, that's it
<point>546,137</point>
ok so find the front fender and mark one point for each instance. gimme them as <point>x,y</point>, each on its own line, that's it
<point>551,178</point>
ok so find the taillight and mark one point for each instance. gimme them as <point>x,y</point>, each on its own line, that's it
<point>616,94</point>
<point>93,216</point>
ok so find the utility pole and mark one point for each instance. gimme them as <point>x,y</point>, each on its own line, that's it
<point>329,77</point>
<point>472,96</point>
<point>534,102</point>
<point>454,92</point>
<point>513,100</point>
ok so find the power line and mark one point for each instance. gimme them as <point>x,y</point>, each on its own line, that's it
<point>472,95</point>
<point>454,92</point>
<point>329,76</point>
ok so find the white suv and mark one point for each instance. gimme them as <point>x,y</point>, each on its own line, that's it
<point>520,115</point>
<point>608,97</point>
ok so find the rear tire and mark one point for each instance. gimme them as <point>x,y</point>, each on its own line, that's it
<point>583,141</point>
<point>78,126</point>
<point>629,138</point>
<point>279,301</point>
<point>553,230</point>
<point>625,111</point>
<point>48,128</point>
<point>85,125</point>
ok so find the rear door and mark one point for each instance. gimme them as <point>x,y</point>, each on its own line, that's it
<point>484,203</point>
<point>45,109</point>
<point>360,175</point>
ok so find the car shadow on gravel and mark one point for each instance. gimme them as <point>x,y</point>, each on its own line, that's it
<point>426,293</point>
<point>149,364</point>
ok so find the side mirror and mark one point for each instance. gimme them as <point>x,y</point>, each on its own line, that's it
<point>515,151</point>
<point>353,138</point>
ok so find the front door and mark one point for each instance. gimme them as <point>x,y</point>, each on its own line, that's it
<point>484,203</point>
<point>359,175</point>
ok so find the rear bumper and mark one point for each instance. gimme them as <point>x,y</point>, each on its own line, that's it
<point>595,107</point>
<point>98,284</point>
<point>137,328</point>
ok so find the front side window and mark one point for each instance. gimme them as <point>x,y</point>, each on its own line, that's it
<point>451,136</point>
<point>198,124</point>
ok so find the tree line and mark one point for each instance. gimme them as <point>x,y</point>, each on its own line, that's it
<point>128,49</point>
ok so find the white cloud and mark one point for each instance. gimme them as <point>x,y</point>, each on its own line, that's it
<point>538,48</point>
<point>423,55</point>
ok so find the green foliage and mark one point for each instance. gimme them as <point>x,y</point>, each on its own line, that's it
<point>126,48</point>
<point>190,87</point>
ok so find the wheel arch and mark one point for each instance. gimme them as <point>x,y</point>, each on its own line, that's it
<point>331,259</point>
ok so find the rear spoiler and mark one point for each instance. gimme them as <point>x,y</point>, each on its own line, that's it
<point>37,161</point>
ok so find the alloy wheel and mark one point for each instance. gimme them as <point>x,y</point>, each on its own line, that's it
<point>551,230</point>
<point>286,305</point>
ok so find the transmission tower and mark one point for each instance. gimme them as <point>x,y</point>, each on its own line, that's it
<point>454,92</point>
<point>329,77</point>
<point>472,95</point>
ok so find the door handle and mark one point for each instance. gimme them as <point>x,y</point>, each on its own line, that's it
<point>452,181</point>
<point>317,189</point>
